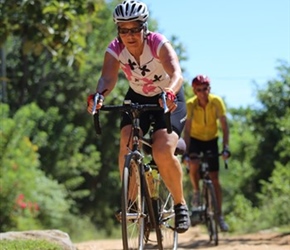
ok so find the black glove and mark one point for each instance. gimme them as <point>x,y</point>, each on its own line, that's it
<point>226,152</point>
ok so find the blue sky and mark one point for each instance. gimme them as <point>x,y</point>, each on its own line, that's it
<point>236,43</point>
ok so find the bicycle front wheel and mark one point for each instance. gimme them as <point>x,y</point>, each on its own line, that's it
<point>167,237</point>
<point>132,206</point>
<point>211,212</point>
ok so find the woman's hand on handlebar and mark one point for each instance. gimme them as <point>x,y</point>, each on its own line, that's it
<point>94,102</point>
<point>170,100</point>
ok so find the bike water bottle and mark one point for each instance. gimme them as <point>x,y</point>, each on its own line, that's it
<point>149,179</point>
<point>156,183</point>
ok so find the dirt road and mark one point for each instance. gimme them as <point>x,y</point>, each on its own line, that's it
<point>195,239</point>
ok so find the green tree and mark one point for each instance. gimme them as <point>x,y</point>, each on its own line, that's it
<point>275,103</point>
<point>46,44</point>
<point>274,197</point>
<point>256,186</point>
<point>54,54</point>
<point>28,198</point>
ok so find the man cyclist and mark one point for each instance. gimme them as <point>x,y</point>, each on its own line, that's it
<point>150,65</point>
<point>204,110</point>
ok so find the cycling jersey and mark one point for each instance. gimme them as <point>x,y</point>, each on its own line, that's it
<point>146,78</point>
<point>204,122</point>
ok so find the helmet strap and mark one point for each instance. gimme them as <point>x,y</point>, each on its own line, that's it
<point>145,31</point>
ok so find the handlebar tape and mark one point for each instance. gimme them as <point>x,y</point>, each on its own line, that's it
<point>168,122</point>
<point>98,128</point>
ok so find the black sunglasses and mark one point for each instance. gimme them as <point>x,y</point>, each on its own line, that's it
<point>124,31</point>
<point>202,90</point>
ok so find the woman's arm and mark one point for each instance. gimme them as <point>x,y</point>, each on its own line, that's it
<point>170,63</point>
<point>109,75</point>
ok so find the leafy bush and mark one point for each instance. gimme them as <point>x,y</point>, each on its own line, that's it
<point>28,198</point>
<point>243,217</point>
<point>274,198</point>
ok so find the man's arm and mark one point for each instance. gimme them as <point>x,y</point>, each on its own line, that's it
<point>225,130</point>
<point>186,134</point>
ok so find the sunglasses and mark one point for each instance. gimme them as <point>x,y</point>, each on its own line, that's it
<point>202,89</point>
<point>125,31</point>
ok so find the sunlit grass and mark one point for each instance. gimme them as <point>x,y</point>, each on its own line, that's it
<point>28,245</point>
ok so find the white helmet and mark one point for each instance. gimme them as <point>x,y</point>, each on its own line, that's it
<point>131,10</point>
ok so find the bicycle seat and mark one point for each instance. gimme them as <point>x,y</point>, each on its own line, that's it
<point>181,147</point>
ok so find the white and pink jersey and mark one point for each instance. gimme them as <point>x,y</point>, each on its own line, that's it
<point>146,78</point>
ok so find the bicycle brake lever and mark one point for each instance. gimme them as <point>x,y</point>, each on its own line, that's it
<point>163,98</point>
<point>96,98</point>
<point>95,114</point>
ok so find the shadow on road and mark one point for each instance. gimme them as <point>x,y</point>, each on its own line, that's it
<point>197,244</point>
<point>258,239</point>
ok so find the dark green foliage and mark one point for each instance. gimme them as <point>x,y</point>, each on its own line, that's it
<point>26,193</point>
<point>256,188</point>
<point>270,124</point>
<point>59,84</point>
<point>274,198</point>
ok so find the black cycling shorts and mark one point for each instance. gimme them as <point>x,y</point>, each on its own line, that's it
<point>178,117</point>
<point>198,146</point>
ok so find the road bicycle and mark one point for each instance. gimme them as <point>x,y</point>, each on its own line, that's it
<point>208,212</point>
<point>147,212</point>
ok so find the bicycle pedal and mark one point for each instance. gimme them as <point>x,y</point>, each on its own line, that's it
<point>195,218</point>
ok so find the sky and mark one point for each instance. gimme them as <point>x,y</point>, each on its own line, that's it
<point>238,44</point>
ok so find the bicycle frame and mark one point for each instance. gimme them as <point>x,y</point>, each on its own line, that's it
<point>208,212</point>
<point>140,213</point>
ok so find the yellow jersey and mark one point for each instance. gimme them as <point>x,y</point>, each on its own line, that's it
<point>204,122</point>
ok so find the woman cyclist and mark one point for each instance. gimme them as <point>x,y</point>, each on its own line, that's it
<point>150,65</point>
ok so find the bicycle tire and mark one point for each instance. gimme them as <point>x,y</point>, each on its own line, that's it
<point>151,223</point>
<point>211,212</point>
<point>133,204</point>
<point>166,234</point>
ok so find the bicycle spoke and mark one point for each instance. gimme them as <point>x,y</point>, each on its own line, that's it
<point>169,236</point>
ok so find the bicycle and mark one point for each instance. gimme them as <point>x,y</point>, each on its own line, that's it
<point>147,205</point>
<point>207,213</point>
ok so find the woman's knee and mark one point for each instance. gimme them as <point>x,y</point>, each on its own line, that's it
<point>162,153</point>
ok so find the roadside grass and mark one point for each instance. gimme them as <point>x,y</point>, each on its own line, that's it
<point>28,245</point>
<point>87,235</point>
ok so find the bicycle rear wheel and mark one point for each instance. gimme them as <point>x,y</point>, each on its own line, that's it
<point>132,206</point>
<point>167,237</point>
<point>211,212</point>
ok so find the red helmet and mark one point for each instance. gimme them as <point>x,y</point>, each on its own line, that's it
<point>200,80</point>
